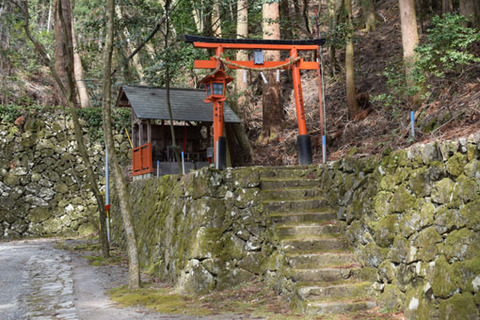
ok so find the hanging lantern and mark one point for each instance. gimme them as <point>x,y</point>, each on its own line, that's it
<point>215,85</point>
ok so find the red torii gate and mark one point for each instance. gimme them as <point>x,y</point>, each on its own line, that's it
<point>294,62</point>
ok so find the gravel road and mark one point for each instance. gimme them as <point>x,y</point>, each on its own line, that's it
<point>40,282</point>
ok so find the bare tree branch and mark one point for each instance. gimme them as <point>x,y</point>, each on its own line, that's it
<point>154,31</point>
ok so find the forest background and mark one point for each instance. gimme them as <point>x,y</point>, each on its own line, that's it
<point>382,60</point>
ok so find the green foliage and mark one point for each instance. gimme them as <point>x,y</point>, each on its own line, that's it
<point>447,45</point>
<point>93,117</point>
<point>399,93</point>
<point>9,113</point>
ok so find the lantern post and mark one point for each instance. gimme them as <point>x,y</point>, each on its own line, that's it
<point>215,86</point>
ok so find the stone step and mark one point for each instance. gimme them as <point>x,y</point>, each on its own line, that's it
<point>291,194</point>
<point>294,205</point>
<point>289,231</point>
<point>319,215</point>
<point>312,245</point>
<point>296,172</point>
<point>275,183</point>
<point>324,274</point>
<point>322,307</point>
<point>319,260</point>
<point>346,290</point>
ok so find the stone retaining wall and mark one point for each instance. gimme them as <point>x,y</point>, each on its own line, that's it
<point>202,231</point>
<point>413,217</point>
<point>42,179</point>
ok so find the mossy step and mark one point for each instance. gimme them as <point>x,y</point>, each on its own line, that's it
<point>321,307</point>
<point>317,244</point>
<point>317,215</point>
<point>291,194</point>
<point>284,231</point>
<point>294,205</point>
<point>324,274</point>
<point>323,259</point>
<point>338,291</point>
<point>273,183</point>
<point>286,172</point>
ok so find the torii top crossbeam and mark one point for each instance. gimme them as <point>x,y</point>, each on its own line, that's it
<point>295,63</point>
<point>253,44</point>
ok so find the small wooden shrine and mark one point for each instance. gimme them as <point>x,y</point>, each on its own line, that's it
<point>151,132</point>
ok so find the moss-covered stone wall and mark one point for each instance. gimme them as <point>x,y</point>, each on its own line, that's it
<point>202,231</point>
<point>42,178</point>
<point>413,217</point>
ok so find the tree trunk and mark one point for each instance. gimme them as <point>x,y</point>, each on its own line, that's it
<point>131,47</point>
<point>63,31</point>
<point>334,8</point>
<point>92,178</point>
<point>236,133</point>
<point>119,179</point>
<point>447,6</point>
<point>242,33</point>
<point>216,21</point>
<point>349,65</point>
<point>368,8</point>
<point>409,36</point>
<point>471,10</point>
<point>273,113</point>
<point>79,73</point>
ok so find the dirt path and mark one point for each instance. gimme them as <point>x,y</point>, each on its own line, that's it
<point>40,282</point>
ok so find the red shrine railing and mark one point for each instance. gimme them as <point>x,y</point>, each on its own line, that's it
<point>142,160</point>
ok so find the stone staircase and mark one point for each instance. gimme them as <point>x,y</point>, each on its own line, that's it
<point>320,263</point>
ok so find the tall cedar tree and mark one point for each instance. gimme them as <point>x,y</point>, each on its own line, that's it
<point>350,89</point>
<point>273,113</point>
<point>409,37</point>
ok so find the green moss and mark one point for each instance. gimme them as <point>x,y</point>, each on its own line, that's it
<point>402,200</point>
<point>373,255</point>
<point>418,183</point>
<point>39,214</point>
<point>456,163</point>
<point>443,191</point>
<point>382,203</point>
<point>443,284</point>
<point>386,271</point>
<point>385,230</point>
<point>419,304</point>
<point>387,183</point>
<point>469,212</point>
<point>428,242</point>
<point>415,220</point>
<point>466,189</point>
<point>161,300</point>
<point>462,244</point>
<point>392,299</point>
<point>460,306</point>
<point>98,261</point>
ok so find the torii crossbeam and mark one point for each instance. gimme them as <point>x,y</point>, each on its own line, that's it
<point>294,62</point>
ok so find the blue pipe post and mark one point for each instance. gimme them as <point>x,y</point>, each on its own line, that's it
<point>412,122</point>
<point>107,193</point>
<point>324,149</point>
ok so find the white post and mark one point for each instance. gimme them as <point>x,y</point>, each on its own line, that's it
<point>183,162</point>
